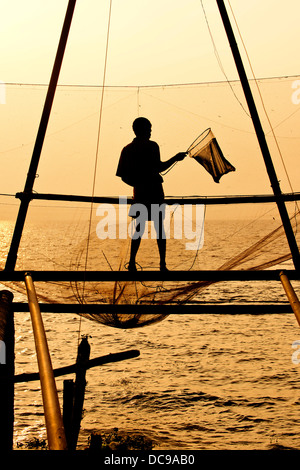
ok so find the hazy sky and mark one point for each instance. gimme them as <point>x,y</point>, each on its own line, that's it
<point>151,41</point>
<point>155,42</point>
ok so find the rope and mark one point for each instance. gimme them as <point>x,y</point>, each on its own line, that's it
<point>154,85</point>
<point>138,101</point>
<point>219,60</point>
<point>97,149</point>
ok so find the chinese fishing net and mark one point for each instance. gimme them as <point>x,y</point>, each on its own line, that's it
<point>234,239</point>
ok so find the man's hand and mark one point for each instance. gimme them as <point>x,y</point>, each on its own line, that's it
<point>180,156</point>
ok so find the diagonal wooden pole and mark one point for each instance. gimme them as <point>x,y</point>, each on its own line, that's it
<point>261,137</point>
<point>291,295</point>
<point>54,422</point>
<point>13,251</point>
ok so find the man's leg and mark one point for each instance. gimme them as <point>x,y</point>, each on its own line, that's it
<point>135,244</point>
<point>162,246</point>
<point>161,239</point>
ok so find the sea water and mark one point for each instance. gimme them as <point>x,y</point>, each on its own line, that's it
<point>201,382</point>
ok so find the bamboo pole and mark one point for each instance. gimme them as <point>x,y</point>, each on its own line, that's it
<point>193,308</point>
<point>7,343</point>
<point>31,175</point>
<point>260,136</point>
<point>54,423</point>
<point>237,275</point>
<point>291,295</point>
<point>182,200</point>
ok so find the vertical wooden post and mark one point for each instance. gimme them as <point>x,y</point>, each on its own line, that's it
<point>54,423</point>
<point>7,369</point>
<point>79,390</point>
<point>68,400</point>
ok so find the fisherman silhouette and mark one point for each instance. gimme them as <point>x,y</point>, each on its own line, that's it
<point>140,166</point>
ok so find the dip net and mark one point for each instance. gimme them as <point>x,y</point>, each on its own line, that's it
<point>206,151</point>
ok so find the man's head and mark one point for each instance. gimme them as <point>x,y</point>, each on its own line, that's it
<point>142,127</point>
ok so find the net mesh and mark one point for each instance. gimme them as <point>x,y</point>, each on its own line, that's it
<point>208,153</point>
<point>227,246</point>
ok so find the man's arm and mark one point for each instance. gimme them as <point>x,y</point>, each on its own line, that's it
<point>165,165</point>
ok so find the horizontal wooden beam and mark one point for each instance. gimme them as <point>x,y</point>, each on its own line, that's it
<point>98,276</point>
<point>97,361</point>
<point>211,200</point>
<point>166,309</point>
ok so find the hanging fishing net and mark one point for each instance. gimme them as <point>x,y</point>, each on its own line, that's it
<point>227,247</point>
<point>206,151</point>
<point>126,320</point>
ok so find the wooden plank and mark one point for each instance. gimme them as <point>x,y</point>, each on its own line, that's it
<point>207,200</point>
<point>95,362</point>
<point>168,309</point>
<point>96,276</point>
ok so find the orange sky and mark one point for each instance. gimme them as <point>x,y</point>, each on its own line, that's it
<point>150,43</point>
